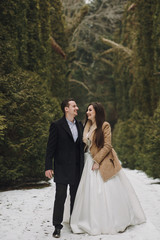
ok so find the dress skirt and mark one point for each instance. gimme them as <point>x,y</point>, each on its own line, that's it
<point>104,207</point>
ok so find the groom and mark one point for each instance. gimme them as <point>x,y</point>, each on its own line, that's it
<point>66,147</point>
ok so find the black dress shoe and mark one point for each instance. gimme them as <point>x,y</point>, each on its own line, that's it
<point>57,233</point>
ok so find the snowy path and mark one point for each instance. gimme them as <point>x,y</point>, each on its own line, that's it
<point>27,214</point>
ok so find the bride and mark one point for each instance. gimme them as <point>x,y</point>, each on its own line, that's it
<point>105,201</point>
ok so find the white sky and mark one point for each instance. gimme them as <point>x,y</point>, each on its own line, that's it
<point>88,1</point>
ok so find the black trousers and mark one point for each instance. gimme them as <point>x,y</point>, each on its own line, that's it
<point>60,197</point>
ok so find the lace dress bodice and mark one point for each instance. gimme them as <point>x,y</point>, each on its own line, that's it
<point>88,143</point>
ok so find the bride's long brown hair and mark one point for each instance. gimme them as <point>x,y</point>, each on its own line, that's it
<point>100,118</point>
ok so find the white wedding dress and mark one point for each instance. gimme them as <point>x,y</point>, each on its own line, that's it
<point>104,207</point>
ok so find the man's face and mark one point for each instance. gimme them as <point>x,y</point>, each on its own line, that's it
<point>72,108</point>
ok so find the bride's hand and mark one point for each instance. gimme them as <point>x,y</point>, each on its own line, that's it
<point>95,166</point>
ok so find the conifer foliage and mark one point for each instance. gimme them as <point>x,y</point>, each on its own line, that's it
<point>137,132</point>
<point>115,59</point>
<point>27,71</point>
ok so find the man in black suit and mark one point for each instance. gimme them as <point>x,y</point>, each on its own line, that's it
<point>66,147</point>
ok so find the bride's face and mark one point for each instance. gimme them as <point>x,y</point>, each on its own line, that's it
<point>91,114</point>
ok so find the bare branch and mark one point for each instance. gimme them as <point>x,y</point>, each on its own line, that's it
<point>78,19</point>
<point>108,62</point>
<point>82,84</point>
<point>107,51</point>
<point>157,73</point>
<point>118,46</point>
<point>57,48</point>
<point>131,7</point>
<point>80,64</point>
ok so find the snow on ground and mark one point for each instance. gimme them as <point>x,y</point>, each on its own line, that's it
<point>27,214</point>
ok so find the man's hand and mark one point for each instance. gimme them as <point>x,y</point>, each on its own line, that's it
<point>49,173</point>
<point>95,166</point>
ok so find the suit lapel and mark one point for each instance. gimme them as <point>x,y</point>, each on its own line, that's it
<point>79,131</point>
<point>66,127</point>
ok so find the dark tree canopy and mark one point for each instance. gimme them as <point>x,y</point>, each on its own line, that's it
<point>106,51</point>
<point>115,59</point>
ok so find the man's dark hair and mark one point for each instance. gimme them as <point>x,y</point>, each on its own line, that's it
<point>65,103</point>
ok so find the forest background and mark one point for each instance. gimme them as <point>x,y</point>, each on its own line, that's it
<point>97,50</point>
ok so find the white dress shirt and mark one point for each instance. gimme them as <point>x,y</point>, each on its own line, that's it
<point>73,128</point>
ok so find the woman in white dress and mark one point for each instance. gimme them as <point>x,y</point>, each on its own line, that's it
<point>105,201</point>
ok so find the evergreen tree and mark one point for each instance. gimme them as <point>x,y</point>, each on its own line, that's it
<point>28,112</point>
<point>59,81</point>
<point>27,104</point>
<point>136,135</point>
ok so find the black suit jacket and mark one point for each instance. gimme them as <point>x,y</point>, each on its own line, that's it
<point>68,155</point>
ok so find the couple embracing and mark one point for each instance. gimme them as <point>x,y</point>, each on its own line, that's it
<point>102,200</point>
